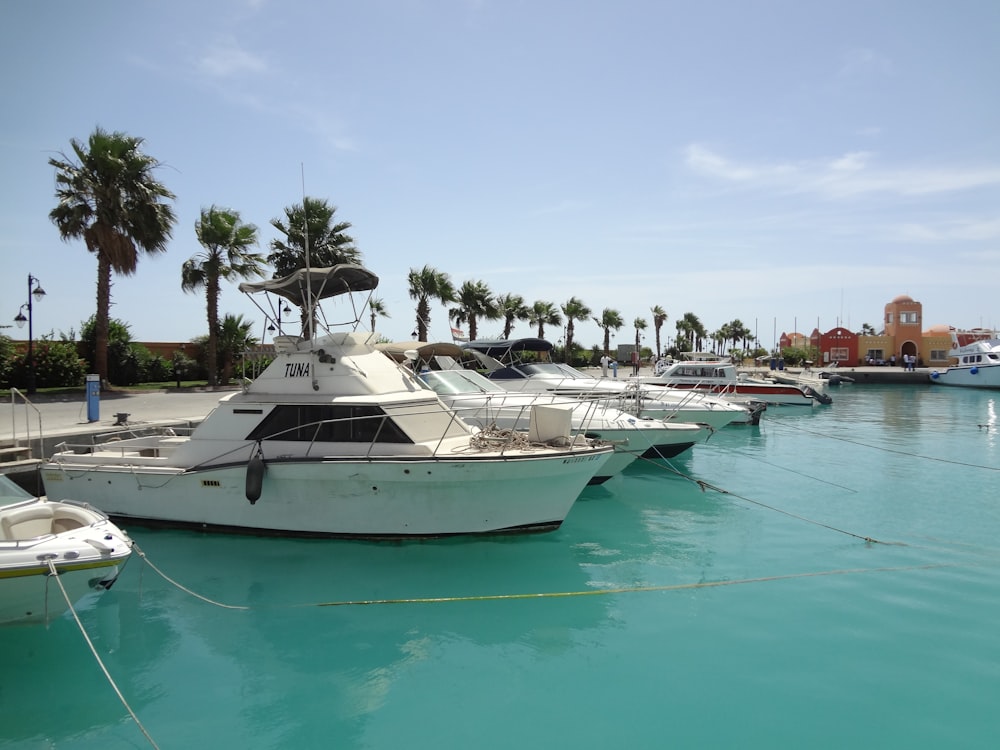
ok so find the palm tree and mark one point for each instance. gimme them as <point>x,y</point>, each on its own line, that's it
<point>109,197</point>
<point>427,284</point>
<point>328,243</point>
<point>574,310</point>
<point>475,300</point>
<point>610,320</point>
<point>311,239</point>
<point>377,309</point>
<point>659,318</point>
<point>542,314</point>
<point>512,308</point>
<point>226,240</point>
<point>738,332</point>
<point>691,330</point>
<point>234,337</point>
<point>640,325</point>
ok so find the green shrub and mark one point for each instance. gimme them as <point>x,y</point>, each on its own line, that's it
<point>57,365</point>
<point>7,354</point>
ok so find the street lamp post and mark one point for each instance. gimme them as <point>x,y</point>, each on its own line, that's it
<point>34,289</point>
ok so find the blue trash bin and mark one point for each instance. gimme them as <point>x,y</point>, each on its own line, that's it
<point>93,398</point>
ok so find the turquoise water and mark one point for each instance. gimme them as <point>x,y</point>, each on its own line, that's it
<point>751,613</point>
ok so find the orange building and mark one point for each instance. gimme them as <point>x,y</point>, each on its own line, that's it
<point>901,335</point>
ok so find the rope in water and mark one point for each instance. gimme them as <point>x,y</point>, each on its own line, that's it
<point>908,454</point>
<point>631,589</point>
<point>722,491</point>
<point>142,554</point>
<point>53,574</point>
<point>567,594</point>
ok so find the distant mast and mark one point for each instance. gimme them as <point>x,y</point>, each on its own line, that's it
<point>305,221</point>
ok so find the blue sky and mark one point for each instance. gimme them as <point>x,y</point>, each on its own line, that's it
<point>785,163</point>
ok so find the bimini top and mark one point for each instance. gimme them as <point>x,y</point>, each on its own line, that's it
<point>321,283</point>
<point>424,350</point>
<point>501,347</point>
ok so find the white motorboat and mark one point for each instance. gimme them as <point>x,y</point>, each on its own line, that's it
<point>333,439</point>
<point>978,365</point>
<point>85,549</point>
<point>720,378</point>
<point>504,365</point>
<point>485,404</point>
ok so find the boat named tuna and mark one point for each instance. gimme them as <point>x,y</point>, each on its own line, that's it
<point>332,439</point>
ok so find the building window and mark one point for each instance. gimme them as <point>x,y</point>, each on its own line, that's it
<point>939,355</point>
<point>839,353</point>
<point>888,318</point>
<point>909,317</point>
<point>875,356</point>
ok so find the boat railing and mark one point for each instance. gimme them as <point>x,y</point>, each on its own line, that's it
<point>29,410</point>
<point>148,431</point>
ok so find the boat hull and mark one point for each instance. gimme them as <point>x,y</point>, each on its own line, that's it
<point>79,542</point>
<point>29,596</point>
<point>981,376</point>
<point>744,392</point>
<point>371,498</point>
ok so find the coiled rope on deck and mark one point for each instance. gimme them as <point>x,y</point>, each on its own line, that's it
<point>53,573</point>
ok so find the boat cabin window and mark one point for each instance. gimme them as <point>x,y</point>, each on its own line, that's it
<point>329,423</point>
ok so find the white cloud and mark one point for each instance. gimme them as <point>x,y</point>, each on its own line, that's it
<point>227,58</point>
<point>864,62</point>
<point>967,230</point>
<point>852,174</point>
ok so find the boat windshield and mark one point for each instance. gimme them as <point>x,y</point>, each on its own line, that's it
<point>552,369</point>
<point>11,492</point>
<point>459,381</point>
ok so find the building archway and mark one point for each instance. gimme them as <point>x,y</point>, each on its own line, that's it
<point>908,348</point>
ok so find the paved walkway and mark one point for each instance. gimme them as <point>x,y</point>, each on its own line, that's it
<point>68,415</point>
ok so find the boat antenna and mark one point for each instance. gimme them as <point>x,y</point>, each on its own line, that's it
<point>305,221</point>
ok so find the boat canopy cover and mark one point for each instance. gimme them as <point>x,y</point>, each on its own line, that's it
<point>500,347</point>
<point>321,282</point>
<point>397,350</point>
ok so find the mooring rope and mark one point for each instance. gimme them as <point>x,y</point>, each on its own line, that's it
<point>570,594</point>
<point>186,590</point>
<point>632,589</point>
<point>83,631</point>
<point>722,491</point>
<point>898,452</point>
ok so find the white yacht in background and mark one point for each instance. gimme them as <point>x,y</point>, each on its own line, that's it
<point>977,366</point>
<point>483,403</point>
<point>720,378</point>
<point>333,439</point>
<point>503,365</point>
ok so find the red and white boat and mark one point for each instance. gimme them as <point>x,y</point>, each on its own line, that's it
<point>720,378</point>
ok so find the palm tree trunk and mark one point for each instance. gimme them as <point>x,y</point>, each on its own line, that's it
<point>211,355</point>
<point>101,319</point>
